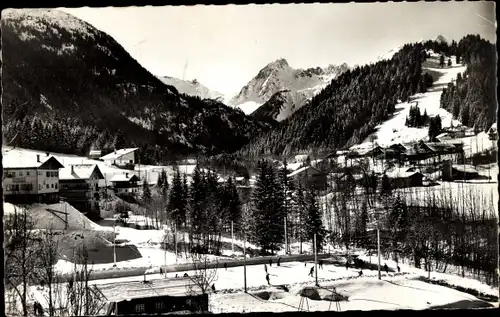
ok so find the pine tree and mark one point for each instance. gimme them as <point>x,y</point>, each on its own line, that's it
<point>314,222</point>
<point>301,207</point>
<point>176,203</point>
<point>146,192</point>
<point>268,204</point>
<point>233,203</point>
<point>196,210</point>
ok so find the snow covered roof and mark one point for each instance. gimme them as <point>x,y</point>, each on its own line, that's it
<point>402,172</point>
<point>95,152</point>
<point>118,153</point>
<point>302,169</point>
<point>17,159</point>
<point>128,177</point>
<point>81,171</point>
<point>116,292</point>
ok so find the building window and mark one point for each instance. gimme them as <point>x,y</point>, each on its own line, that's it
<point>13,174</point>
<point>47,186</point>
<point>139,308</point>
<point>48,174</point>
<point>27,173</point>
<point>160,305</point>
<point>130,161</point>
<point>20,173</point>
<point>56,185</point>
<point>52,185</point>
<point>39,186</point>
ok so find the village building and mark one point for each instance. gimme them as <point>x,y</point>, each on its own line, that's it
<point>123,158</point>
<point>156,297</point>
<point>79,185</point>
<point>28,180</point>
<point>125,184</point>
<point>95,154</point>
<point>405,177</point>
<point>310,177</point>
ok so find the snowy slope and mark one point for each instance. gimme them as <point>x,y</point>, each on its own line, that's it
<point>394,130</point>
<point>278,76</point>
<point>192,88</point>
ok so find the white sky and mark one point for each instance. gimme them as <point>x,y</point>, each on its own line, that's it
<point>225,46</point>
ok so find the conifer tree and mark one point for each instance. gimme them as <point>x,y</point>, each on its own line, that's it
<point>314,222</point>
<point>146,192</point>
<point>196,210</point>
<point>176,203</point>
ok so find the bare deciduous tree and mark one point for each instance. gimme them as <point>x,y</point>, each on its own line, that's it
<point>203,277</point>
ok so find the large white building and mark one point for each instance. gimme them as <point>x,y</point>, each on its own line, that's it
<point>28,180</point>
<point>121,158</point>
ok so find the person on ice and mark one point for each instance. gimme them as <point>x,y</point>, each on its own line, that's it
<point>311,272</point>
<point>360,273</point>
<point>270,262</point>
<point>399,269</point>
<point>161,271</point>
<point>267,279</point>
<point>346,265</point>
<point>213,288</point>
<point>321,264</point>
<point>225,266</point>
<point>279,260</point>
<point>265,268</point>
<point>386,269</point>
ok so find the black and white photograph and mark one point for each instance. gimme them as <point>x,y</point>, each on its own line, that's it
<point>250,158</point>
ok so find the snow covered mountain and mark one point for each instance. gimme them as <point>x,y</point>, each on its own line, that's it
<point>441,39</point>
<point>296,86</point>
<point>192,88</point>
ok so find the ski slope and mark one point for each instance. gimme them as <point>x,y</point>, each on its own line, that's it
<point>394,130</point>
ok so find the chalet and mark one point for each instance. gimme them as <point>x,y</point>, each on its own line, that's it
<point>79,185</point>
<point>405,177</point>
<point>95,154</point>
<point>153,297</point>
<point>464,172</point>
<point>310,176</point>
<point>125,184</point>
<point>396,151</point>
<point>123,158</point>
<point>27,180</point>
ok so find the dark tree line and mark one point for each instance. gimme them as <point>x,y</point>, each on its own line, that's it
<point>471,98</point>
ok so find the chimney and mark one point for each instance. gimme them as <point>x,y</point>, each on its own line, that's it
<point>72,169</point>
<point>126,175</point>
<point>38,158</point>
<point>47,153</point>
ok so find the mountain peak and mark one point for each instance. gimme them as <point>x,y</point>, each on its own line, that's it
<point>280,63</point>
<point>440,38</point>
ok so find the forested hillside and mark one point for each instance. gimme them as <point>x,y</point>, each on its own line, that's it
<point>349,108</point>
<point>68,87</point>
<point>471,99</point>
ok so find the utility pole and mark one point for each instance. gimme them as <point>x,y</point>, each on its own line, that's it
<point>378,249</point>
<point>286,237</point>
<point>114,243</point>
<point>232,237</point>
<point>316,260</point>
<point>245,264</point>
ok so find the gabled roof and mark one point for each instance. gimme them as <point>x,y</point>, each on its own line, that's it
<point>17,160</point>
<point>403,172</point>
<point>81,171</point>
<point>124,178</point>
<point>118,153</point>
<point>302,169</point>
